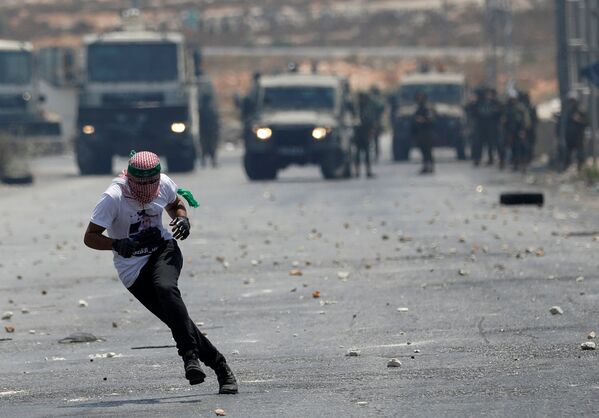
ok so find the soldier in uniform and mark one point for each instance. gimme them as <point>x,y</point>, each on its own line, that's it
<point>364,133</point>
<point>531,133</point>
<point>209,128</point>
<point>576,123</point>
<point>378,109</point>
<point>516,123</point>
<point>423,122</point>
<point>486,112</point>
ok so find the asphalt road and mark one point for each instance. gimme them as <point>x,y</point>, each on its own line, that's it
<point>478,282</point>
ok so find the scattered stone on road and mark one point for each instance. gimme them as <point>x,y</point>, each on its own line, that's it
<point>589,345</point>
<point>343,275</point>
<point>556,310</point>
<point>9,328</point>
<point>220,412</point>
<point>82,303</point>
<point>296,272</point>
<point>362,403</point>
<point>354,352</point>
<point>7,315</point>
<point>316,294</point>
<point>591,335</point>
<point>402,309</point>
<point>394,363</point>
<point>463,272</point>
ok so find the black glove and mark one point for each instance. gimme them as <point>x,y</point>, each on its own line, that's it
<point>124,247</point>
<point>181,227</point>
<point>148,237</point>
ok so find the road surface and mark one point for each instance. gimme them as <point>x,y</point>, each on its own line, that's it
<point>428,270</point>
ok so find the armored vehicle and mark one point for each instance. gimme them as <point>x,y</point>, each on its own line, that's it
<point>446,94</point>
<point>299,119</point>
<point>138,92</point>
<point>25,127</point>
<point>21,103</point>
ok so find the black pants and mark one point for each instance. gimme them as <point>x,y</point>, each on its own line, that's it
<point>574,147</point>
<point>156,288</point>
<point>425,143</point>
<point>486,136</point>
<point>363,153</point>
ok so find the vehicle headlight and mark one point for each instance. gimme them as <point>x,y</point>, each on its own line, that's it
<point>263,134</point>
<point>88,129</point>
<point>320,133</point>
<point>178,127</point>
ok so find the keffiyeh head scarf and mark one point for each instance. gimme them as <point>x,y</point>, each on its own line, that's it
<point>143,176</point>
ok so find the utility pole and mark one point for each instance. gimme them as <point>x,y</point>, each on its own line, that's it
<point>563,73</point>
<point>491,53</point>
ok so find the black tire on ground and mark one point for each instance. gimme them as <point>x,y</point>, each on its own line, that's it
<point>91,160</point>
<point>334,165</point>
<point>24,179</point>
<point>182,161</point>
<point>519,198</point>
<point>259,168</point>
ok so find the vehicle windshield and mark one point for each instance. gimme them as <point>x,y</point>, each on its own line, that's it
<point>15,67</point>
<point>141,62</point>
<point>436,93</point>
<point>299,98</point>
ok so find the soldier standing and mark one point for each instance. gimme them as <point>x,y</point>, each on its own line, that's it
<point>364,133</point>
<point>516,123</point>
<point>531,133</point>
<point>209,128</point>
<point>487,114</point>
<point>423,122</point>
<point>576,123</point>
<point>378,109</point>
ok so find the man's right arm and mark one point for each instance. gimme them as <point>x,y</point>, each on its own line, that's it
<point>94,238</point>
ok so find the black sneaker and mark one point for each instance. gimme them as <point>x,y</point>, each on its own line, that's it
<point>226,380</point>
<point>193,371</point>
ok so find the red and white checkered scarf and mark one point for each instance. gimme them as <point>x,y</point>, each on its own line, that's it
<point>144,188</point>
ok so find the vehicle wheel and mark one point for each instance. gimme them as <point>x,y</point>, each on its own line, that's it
<point>182,162</point>
<point>401,150</point>
<point>91,161</point>
<point>334,165</point>
<point>259,168</point>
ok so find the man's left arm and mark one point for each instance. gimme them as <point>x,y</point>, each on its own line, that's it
<point>178,213</point>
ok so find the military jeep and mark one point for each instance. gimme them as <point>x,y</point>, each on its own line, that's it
<point>299,119</point>
<point>446,94</point>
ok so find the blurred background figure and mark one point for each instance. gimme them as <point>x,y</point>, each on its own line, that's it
<point>209,128</point>
<point>531,133</point>
<point>577,121</point>
<point>423,122</point>
<point>365,133</point>
<point>377,104</point>
<point>516,123</point>
<point>486,114</point>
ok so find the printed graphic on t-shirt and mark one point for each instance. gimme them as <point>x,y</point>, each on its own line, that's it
<point>141,221</point>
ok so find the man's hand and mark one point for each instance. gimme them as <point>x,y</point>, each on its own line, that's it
<point>148,237</point>
<point>124,247</point>
<point>181,227</point>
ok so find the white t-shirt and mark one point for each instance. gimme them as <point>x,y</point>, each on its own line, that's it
<point>123,217</point>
